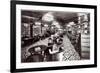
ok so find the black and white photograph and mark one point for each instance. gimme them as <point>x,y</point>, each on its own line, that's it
<point>54,36</point>
<point>50,36</point>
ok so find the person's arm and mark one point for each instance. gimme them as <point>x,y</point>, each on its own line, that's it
<point>53,52</point>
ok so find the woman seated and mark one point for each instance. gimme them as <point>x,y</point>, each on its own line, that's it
<point>57,50</point>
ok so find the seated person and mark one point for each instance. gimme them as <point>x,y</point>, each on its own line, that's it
<point>46,52</point>
<point>55,53</point>
<point>56,47</point>
<point>50,42</point>
<point>60,44</point>
<point>57,50</point>
<point>35,56</point>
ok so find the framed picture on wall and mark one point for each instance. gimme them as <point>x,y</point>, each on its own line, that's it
<point>52,36</point>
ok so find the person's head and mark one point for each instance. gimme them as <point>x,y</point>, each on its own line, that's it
<point>50,39</point>
<point>57,40</point>
<point>52,36</point>
<point>61,40</point>
<point>37,49</point>
<point>31,51</point>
